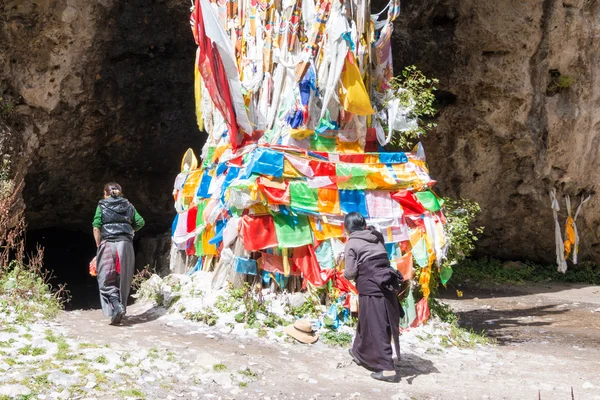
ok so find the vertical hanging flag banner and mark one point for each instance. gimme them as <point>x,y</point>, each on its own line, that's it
<point>291,96</point>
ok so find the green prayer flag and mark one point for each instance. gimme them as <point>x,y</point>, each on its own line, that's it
<point>292,231</point>
<point>325,255</point>
<point>320,143</point>
<point>419,252</point>
<point>208,160</point>
<point>445,274</point>
<point>410,312</point>
<point>429,200</point>
<point>303,197</point>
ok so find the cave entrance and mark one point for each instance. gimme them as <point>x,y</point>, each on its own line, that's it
<point>67,255</point>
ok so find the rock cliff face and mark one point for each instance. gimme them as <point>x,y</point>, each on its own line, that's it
<point>508,134</point>
<point>103,90</point>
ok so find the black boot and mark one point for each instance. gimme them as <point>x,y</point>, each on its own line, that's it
<point>387,377</point>
<point>118,311</point>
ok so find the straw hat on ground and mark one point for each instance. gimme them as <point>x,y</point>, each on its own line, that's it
<point>302,331</point>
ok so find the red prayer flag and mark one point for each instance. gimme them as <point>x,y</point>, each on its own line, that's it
<point>213,74</point>
<point>276,193</point>
<point>322,168</point>
<point>422,309</point>
<point>258,232</point>
<point>408,201</point>
<point>352,158</point>
<point>344,284</point>
<point>306,261</point>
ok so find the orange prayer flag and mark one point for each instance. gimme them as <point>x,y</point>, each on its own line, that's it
<point>404,265</point>
<point>328,201</point>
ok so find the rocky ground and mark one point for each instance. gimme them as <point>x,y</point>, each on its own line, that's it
<point>547,349</point>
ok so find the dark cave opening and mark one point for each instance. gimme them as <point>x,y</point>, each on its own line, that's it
<point>67,254</point>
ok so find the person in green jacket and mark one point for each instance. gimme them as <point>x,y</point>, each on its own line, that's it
<point>115,222</point>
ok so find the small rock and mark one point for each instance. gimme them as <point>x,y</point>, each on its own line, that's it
<point>61,379</point>
<point>313,381</point>
<point>587,385</point>
<point>12,391</point>
<point>303,377</point>
<point>65,395</point>
<point>296,300</point>
<point>90,385</point>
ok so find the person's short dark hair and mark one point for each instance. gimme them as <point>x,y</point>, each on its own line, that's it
<point>113,189</point>
<point>354,222</point>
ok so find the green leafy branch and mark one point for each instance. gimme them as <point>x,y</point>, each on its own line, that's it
<point>413,89</point>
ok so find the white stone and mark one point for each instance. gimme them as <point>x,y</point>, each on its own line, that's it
<point>587,385</point>
<point>61,379</point>
<point>14,390</point>
<point>90,385</point>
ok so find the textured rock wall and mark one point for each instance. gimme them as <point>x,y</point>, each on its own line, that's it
<point>502,140</point>
<point>104,91</point>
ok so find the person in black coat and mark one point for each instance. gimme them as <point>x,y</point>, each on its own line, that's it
<point>366,261</point>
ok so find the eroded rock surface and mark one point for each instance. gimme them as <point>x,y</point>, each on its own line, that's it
<point>103,90</point>
<point>506,136</point>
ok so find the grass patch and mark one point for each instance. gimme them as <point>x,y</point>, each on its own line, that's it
<point>11,361</point>
<point>51,337</point>
<point>308,308</point>
<point>465,338</point>
<point>490,271</point>
<point>40,381</point>
<point>38,351</point>
<point>226,305</point>
<point>248,373</point>
<point>25,350</point>
<point>132,393</point>
<point>343,339</point>
<point>207,316</point>
<point>63,351</point>
<point>7,343</point>
<point>220,367</point>
<point>153,353</point>
<point>89,346</point>
<point>262,332</point>
<point>101,360</point>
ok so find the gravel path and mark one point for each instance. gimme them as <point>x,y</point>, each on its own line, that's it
<point>548,344</point>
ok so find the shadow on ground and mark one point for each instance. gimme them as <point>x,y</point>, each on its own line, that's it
<point>412,366</point>
<point>496,323</point>
<point>151,314</point>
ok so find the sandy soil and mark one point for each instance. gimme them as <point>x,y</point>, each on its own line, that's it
<point>548,348</point>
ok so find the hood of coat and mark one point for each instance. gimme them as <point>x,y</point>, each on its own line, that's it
<point>367,235</point>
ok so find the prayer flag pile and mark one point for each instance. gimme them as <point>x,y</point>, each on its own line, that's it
<point>293,95</point>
